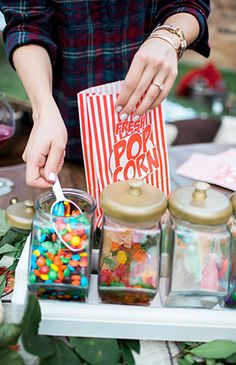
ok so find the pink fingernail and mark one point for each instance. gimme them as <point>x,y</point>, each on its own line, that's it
<point>52,176</point>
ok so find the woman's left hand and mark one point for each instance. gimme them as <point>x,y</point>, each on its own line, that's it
<point>149,79</point>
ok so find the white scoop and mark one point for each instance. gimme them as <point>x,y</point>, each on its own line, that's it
<point>58,207</point>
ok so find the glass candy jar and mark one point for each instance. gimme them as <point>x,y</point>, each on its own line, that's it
<point>130,249</point>
<point>230,299</point>
<point>201,247</point>
<point>60,255</point>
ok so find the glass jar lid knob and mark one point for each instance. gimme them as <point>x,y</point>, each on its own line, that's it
<point>135,187</point>
<point>200,192</point>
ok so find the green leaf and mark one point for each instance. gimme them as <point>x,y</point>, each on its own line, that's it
<point>7,248</point>
<point>97,351</point>
<point>218,349</point>
<point>183,362</point>
<point>12,237</point>
<point>231,359</point>
<point>42,346</point>
<point>10,357</point>
<point>9,334</point>
<point>2,284</point>
<point>127,355</point>
<point>189,358</point>
<point>63,355</point>
<point>133,345</point>
<point>210,362</point>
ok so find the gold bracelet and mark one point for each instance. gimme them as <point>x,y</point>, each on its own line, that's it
<point>164,39</point>
<point>180,34</point>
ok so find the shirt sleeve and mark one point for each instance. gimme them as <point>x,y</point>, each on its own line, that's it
<point>28,22</point>
<point>199,9</point>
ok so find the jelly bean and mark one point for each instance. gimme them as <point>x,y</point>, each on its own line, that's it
<point>75,241</point>
<point>32,278</point>
<point>67,296</point>
<point>71,268</point>
<point>54,237</point>
<point>57,261</point>
<point>84,281</point>
<point>67,237</point>
<point>52,275</point>
<point>41,261</point>
<point>44,276</point>
<point>84,254</point>
<point>83,262</point>
<point>67,272</point>
<point>65,260</point>
<point>48,262</point>
<point>36,253</point>
<point>50,256</point>
<point>44,269</point>
<point>34,265</point>
<point>48,281</point>
<point>57,281</point>
<point>54,267</point>
<point>36,272</point>
<point>63,267</point>
<point>75,277</point>
<point>74,263</point>
<point>75,283</point>
<point>60,275</point>
<point>76,257</point>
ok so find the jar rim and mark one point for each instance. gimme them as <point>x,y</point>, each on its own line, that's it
<point>48,194</point>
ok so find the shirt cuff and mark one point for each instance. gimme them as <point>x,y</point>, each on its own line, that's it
<point>200,45</point>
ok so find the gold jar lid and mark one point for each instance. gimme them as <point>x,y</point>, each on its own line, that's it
<point>133,201</point>
<point>233,200</point>
<point>20,215</point>
<point>200,204</point>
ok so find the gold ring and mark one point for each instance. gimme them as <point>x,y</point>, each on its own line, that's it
<point>160,86</point>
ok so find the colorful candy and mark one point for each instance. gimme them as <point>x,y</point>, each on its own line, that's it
<point>58,270</point>
<point>129,265</point>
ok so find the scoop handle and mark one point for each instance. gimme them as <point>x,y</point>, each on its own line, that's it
<point>58,191</point>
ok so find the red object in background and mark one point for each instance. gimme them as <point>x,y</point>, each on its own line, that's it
<point>209,75</point>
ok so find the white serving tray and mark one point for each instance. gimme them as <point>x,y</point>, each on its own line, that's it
<point>94,319</point>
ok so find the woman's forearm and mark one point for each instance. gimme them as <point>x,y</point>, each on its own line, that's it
<point>188,23</point>
<point>33,66</point>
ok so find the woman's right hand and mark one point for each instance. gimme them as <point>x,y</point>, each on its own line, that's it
<point>45,151</point>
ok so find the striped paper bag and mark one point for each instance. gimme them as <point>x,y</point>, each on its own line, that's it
<point>116,150</point>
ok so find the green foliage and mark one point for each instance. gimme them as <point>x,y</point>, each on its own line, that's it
<point>97,351</point>
<point>42,346</point>
<point>9,334</point>
<point>218,349</point>
<point>10,357</point>
<point>11,245</point>
<point>217,352</point>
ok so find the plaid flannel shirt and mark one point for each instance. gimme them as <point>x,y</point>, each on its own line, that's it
<point>91,42</point>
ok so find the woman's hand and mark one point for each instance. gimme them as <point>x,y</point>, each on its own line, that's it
<point>155,62</point>
<point>45,150</point>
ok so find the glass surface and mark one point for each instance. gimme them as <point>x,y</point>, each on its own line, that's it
<point>230,299</point>
<point>129,264</point>
<point>55,271</point>
<point>7,130</point>
<point>200,265</point>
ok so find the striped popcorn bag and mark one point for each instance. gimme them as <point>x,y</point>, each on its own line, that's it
<point>116,150</point>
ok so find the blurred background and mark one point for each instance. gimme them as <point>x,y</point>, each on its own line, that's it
<point>200,109</point>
